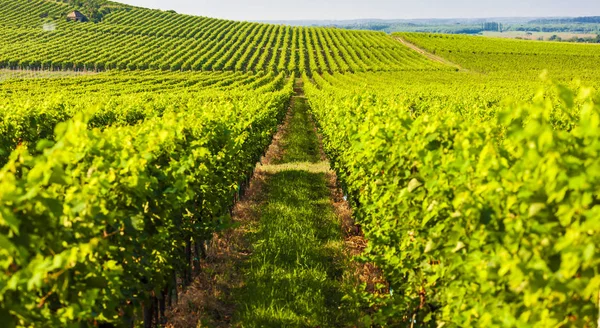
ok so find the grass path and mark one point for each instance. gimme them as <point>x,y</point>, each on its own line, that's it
<point>286,261</point>
<point>296,274</point>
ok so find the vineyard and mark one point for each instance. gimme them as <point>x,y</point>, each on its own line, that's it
<point>127,146</point>
<point>110,210</point>
<point>514,56</point>
<point>193,43</point>
<point>459,210</point>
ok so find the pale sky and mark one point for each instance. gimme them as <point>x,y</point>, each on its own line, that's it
<point>386,9</point>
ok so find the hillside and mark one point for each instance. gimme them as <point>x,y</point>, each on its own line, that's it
<point>505,55</point>
<point>35,34</point>
<point>167,170</point>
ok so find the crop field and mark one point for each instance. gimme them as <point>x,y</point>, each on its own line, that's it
<point>133,38</point>
<point>167,170</point>
<point>514,56</point>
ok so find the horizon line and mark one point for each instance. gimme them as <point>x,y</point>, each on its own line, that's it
<point>427,18</point>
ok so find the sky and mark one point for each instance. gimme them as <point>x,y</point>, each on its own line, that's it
<point>385,9</point>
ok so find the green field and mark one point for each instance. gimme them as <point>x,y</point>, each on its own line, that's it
<point>128,146</point>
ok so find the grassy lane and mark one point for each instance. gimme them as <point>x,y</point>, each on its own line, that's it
<point>296,275</point>
<point>299,142</point>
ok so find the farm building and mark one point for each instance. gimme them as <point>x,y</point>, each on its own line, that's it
<point>76,16</point>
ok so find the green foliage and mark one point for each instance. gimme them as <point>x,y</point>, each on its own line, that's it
<point>475,220</point>
<point>141,39</point>
<point>503,55</point>
<point>480,211</point>
<point>31,112</point>
<point>97,222</point>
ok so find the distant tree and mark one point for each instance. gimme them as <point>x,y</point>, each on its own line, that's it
<point>578,20</point>
<point>464,31</point>
<point>555,38</point>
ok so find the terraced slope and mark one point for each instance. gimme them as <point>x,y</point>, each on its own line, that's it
<point>35,34</point>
